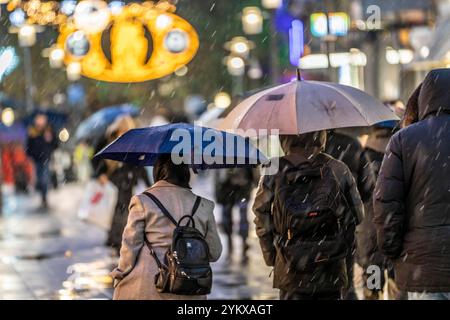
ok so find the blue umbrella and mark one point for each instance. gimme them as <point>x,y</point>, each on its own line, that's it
<point>9,103</point>
<point>15,133</point>
<point>55,118</point>
<point>390,124</point>
<point>200,147</point>
<point>95,126</point>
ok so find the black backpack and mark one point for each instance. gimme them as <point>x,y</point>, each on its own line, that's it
<point>186,269</point>
<point>307,216</point>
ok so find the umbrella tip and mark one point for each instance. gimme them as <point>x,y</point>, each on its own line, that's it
<point>299,75</point>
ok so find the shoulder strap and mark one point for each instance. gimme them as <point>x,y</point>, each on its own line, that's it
<point>161,207</point>
<point>196,205</point>
<point>153,253</point>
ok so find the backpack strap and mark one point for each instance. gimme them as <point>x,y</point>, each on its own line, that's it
<point>153,253</point>
<point>196,205</point>
<point>161,207</point>
<point>169,216</point>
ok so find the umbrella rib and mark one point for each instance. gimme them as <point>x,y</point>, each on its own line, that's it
<point>349,99</point>
<point>268,91</point>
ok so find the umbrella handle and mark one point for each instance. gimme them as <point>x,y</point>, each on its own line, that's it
<point>299,74</point>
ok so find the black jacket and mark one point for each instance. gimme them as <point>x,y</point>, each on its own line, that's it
<point>38,148</point>
<point>125,178</point>
<point>412,195</point>
<point>334,276</point>
<point>235,185</point>
<point>367,252</point>
<point>346,149</point>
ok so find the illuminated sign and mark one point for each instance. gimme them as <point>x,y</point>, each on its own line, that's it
<point>140,43</point>
<point>336,24</point>
<point>319,24</point>
<point>339,23</point>
<point>296,42</point>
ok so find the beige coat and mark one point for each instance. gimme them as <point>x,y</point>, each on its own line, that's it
<point>134,276</point>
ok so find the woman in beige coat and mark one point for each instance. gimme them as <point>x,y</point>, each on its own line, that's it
<point>134,276</point>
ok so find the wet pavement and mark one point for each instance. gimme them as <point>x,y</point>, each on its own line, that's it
<point>54,255</point>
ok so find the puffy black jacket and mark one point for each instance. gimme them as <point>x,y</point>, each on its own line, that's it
<point>412,195</point>
<point>332,277</point>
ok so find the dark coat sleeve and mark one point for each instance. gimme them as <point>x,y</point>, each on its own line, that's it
<point>264,218</point>
<point>389,206</point>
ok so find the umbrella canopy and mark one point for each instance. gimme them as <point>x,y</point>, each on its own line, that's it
<point>55,118</point>
<point>16,133</point>
<point>210,118</point>
<point>200,147</point>
<point>9,103</point>
<point>95,126</point>
<point>306,106</point>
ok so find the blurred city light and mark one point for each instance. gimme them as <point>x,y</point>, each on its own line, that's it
<point>357,57</point>
<point>116,7</point>
<point>8,117</point>
<point>405,55</point>
<point>222,100</point>
<point>17,17</point>
<point>336,60</point>
<point>68,7</point>
<point>163,21</point>
<point>424,52</point>
<point>236,66</point>
<point>392,56</point>
<point>176,41</point>
<point>296,42</point>
<point>319,24</point>
<point>181,72</point>
<point>64,135</point>
<point>401,56</point>
<point>336,24</point>
<point>144,42</point>
<point>252,20</point>
<point>73,71</point>
<point>314,61</point>
<point>254,71</point>
<point>27,36</point>
<point>239,46</point>
<point>8,61</point>
<point>92,16</point>
<point>339,23</point>
<point>272,4</point>
<point>77,44</point>
<point>56,58</point>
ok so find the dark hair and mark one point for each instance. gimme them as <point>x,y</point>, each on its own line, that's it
<point>165,169</point>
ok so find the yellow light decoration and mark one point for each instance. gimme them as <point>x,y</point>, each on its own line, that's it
<point>174,44</point>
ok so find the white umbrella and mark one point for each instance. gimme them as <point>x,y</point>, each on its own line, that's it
<point>306,106</point>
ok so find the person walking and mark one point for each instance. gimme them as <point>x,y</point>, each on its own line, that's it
<point>134,277</point>
<point>367,251</point>
<point>412,195</point>
<point>40,147</point>
<point>233,188</point>
<point>305,217</point>
<point>125,177</point>
<point>343,145</point>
